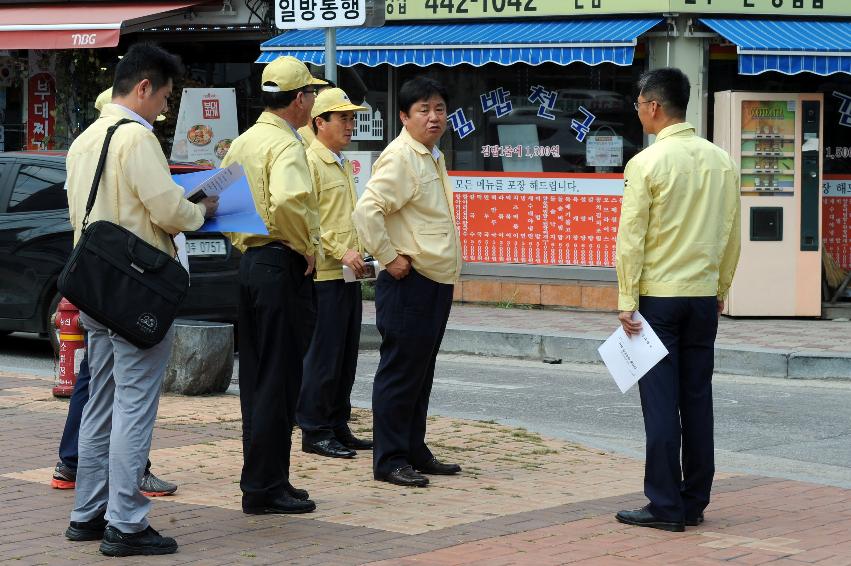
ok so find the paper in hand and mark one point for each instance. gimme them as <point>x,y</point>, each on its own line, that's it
<point>629,358</point>
<point>215,184</point>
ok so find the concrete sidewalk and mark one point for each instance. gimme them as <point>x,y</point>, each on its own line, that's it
<point>790,348</point>
<point>522,499</point>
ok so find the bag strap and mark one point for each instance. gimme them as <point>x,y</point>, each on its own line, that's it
<point>93,193</point>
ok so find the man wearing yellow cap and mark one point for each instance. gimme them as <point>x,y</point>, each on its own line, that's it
<point>277,303</point>
<point>306,132</point>
<point>324,405</point>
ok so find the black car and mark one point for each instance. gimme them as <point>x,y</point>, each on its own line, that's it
<point>36,241</point>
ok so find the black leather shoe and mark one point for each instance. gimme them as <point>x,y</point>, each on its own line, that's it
<point>296,492</point>
<point>644,518</point>
<point>406,477</point>
<point>147,542</point>
<point>330,448</point>
<point>351,441</point>
<point>87,530</point>
<point>284,504</point>
<point>438,468</point>
<point>694,521</point>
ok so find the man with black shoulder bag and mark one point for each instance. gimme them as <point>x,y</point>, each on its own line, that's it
<point>118,162</point>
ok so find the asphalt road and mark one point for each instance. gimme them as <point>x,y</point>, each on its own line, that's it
<point>775,427</point>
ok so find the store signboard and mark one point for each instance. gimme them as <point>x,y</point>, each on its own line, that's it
<point>836,217</point>
<point>480,9</point>
<point>807,8</point>
<point>41,100</point>
<point>206,125</point>
<point>537,218</point>
<point>304,14</point>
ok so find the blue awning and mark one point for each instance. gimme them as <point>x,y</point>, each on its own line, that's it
<point>787,46</point>
<point>563,42</point>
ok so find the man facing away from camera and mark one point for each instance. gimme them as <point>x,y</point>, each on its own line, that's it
<point>677,249</point>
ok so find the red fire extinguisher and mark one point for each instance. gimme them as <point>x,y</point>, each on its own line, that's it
<point>72,348</point>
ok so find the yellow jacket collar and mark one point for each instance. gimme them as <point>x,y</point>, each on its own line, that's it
<point>418,147</point>
<point>323,152</point>
<point>673,130</point>
<point>275,120</point>
<point>117,111</point>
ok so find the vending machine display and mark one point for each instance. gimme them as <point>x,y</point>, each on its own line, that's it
<point>768,147</point>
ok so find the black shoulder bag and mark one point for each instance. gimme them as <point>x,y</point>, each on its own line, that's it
<point>118,279</point>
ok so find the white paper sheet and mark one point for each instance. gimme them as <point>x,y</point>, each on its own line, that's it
<point>182,255</point>
<point>629,358</point>
<point>215,184</point>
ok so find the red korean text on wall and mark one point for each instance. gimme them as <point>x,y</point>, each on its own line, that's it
<point>41,106</point>
<point>537,218</point>
<point>836,218</point>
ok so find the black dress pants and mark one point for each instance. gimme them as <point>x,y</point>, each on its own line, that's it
<point>676,399</point>
<point>277,313</point>
<point>324,405</point>
<point>411,315</point>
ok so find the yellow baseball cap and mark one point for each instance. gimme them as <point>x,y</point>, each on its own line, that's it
<point>287,73</point>
<point>106,97</point>
<point>333,100</point>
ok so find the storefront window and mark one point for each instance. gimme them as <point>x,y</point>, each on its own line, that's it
<point>546,118</point>
<point>536,156</point>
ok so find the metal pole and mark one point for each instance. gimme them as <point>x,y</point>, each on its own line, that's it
<point>331,54</point>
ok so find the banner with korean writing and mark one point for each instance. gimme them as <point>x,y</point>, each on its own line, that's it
<point>397,10</point>
<point>836,218</point>
<point>537,218</point>
<point>206,125</point>
<point>41,100</point>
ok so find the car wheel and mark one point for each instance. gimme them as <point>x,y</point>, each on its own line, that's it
<point>52,331</point>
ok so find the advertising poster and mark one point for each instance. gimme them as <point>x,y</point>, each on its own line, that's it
<point>206,126</point>
<point>361,167</point>
<point>537,218</point>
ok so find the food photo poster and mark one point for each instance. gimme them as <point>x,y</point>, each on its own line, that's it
<point>206,126</point>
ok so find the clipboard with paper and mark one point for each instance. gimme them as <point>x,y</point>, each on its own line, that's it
<point>627,358</point>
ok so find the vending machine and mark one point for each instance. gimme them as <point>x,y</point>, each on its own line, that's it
<point>776,141</point>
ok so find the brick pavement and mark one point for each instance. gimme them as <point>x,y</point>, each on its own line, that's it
<point>523,499</point>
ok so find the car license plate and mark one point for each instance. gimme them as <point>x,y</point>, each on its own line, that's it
<point>206,247</point>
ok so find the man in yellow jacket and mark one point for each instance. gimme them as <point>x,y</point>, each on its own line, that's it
<point>324,405</point>
<point>277,304</point>
<point>136,192</point>
<point>677,249</point>
<point>65,472</point>
<point>406,219</point>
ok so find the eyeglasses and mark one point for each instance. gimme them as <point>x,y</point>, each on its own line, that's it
<point>309,91</point>
<point>637,103</point>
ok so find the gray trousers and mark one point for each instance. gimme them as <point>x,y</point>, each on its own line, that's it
<point>117,426</point>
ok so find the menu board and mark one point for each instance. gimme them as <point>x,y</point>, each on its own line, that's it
<point>206,125</point>
<point>836,218</point>
<point>537,218</point>
<point>768,140</point>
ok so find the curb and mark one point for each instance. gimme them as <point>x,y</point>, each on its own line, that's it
<point>572,348</point>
